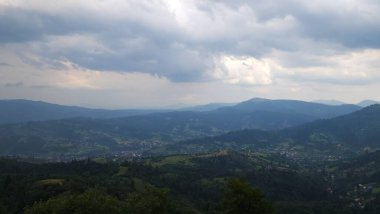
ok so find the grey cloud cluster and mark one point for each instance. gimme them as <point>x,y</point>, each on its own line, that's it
<point>4,64</point>
<point>16,84</point>
<point>180,40</point>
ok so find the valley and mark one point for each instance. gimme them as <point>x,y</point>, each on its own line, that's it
<point>322,161</point>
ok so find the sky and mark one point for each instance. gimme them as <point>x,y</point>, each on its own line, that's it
<point>159,53</point>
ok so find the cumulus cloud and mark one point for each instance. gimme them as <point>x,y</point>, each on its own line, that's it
<point>175,39</point>
<point>242,70</point>
<point>358,67</point>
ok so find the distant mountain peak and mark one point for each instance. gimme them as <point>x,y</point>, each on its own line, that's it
<point>315,110</point>
<point>366,103</point>
<point>371,108</point>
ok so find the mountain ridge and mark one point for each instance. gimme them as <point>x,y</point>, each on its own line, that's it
<point>85,136</point>
<point>18,111</point>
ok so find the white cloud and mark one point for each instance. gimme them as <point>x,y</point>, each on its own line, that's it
<point>242,70</point>
<point>350,68</point>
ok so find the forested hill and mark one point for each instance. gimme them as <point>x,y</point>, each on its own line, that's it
<point>316,110</point>
<point>357,130</point>
<point>361,128</point>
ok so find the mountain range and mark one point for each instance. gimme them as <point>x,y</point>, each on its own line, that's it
<point>18,111</point>
<point>139,133</point>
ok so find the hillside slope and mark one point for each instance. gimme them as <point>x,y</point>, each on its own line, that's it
<point>358,130</point>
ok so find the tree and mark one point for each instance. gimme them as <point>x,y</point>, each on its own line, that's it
<point>241,198</point>
<point>3,209</point>
<point>90,202</point>
<point>151,201</point>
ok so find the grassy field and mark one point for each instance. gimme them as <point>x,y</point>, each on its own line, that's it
<point>175,159</point>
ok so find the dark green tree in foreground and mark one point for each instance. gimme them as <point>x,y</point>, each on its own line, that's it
<point>91,201</point>
<point>150,201</point>
<point>242,198</point>
<point>3,209</point>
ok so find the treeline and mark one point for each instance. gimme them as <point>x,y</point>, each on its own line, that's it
<point>90,187</point>
<point>175,184</point>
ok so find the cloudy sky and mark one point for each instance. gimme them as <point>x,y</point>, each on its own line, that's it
<point>140,53</point>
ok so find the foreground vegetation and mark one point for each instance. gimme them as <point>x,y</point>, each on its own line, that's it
<point>203,183</point>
